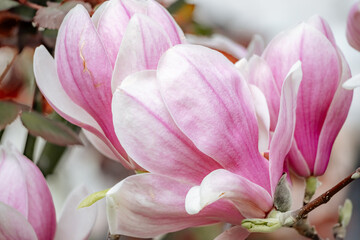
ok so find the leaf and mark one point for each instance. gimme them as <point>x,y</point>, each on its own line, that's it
<point>7,4</point>
<point>93,198</point>
<point>7,58</point>
<point>51,130</point>
<point>17,81</point>
<point>8,112</point>
<point>52,16</point>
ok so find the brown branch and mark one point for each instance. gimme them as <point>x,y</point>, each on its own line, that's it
<point>30,4</point>
<point>326,196</point>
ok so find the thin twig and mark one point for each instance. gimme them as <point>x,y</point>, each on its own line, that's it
<point>326,196</point>
<point>30,4</point>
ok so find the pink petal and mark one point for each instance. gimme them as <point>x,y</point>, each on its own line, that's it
<point>209,101</point>
<point>250,199</point>
<point>111,25</point>
<point>334,120</point>
<point>51,88</point>
<point>95,18</point>
<point>284,131</point>
<point>234,233</point>
<point>298,162</point>
<point>163,17</point>
<point>147,205</point>
<point>76,223</point>
<point>150,136</point>
<point>320,24</point>
<point>353,26</point>
<point>18,172</point>
<point>158,13</point>
<point>143,44</point>
<point>321,70</point>
<point>13,225</point>
<point>84,69</point>
<point>15,196</point>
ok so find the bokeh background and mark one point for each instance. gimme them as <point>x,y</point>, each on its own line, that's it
<point>22,28</point>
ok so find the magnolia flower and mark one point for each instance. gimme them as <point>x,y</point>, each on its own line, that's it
<point>197,134</point>
<point>26,206</point>
<point>93,55</point>
<point>322,104</point>
<point>353,26</point>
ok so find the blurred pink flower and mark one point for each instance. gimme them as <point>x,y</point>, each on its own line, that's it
<point>26,206</point>
<point>353,26</point>
<point>92,57</point>
<point>322,104</point>
<point>193,125</point>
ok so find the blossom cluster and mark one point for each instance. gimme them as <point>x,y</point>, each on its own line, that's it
<point>211,138</point>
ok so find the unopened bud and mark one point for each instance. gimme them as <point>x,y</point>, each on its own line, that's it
<point>282,196</point>
<point>345,213</point>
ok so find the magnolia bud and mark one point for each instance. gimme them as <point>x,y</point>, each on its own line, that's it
<point>282,196</point>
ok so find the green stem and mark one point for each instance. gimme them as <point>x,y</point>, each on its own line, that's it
<point>29,146</point>
<point>310,189</point>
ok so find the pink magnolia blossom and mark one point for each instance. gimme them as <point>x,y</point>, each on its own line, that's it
<point>94,54</point>
<point>26,206</point>
<point>193,125</point>
<point>353,26</point>
<point>322,104</point>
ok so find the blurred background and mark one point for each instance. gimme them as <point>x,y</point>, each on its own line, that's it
<point>26,24</point>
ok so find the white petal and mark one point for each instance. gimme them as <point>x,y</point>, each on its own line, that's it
<point>74,223</point>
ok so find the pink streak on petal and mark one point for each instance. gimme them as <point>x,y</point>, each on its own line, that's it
<point>162,16</point>
<point>40,210</point>
<point>147,205</point>
<point>111,27</point>
<point>84,69</point>
<point>320,24</point>
<point>51,88</point>
<point>209,101</point>
<point>143,44</point>
<point>150,136</point>
<point>316,53</point>
<point>297,161</point>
